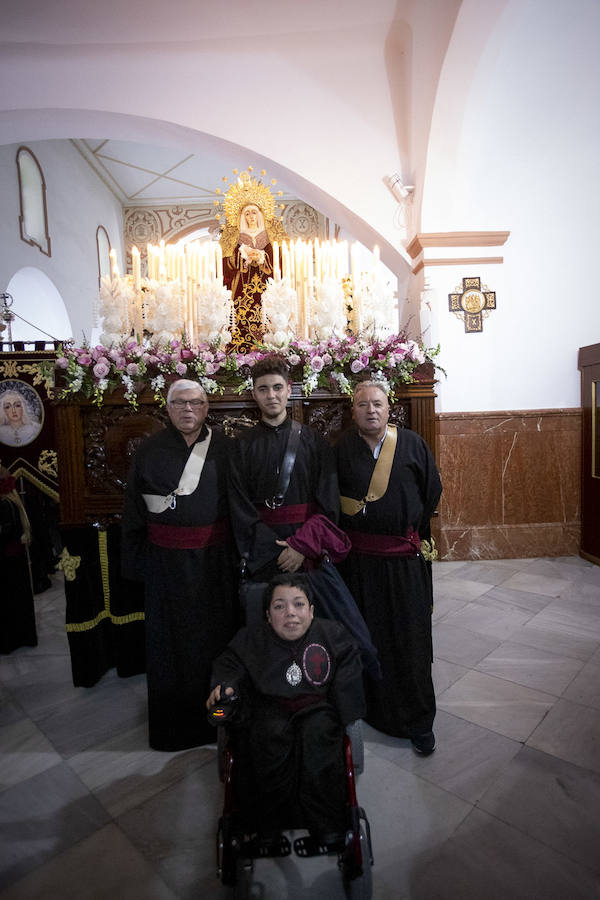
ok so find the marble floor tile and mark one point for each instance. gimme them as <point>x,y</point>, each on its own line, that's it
<point>563,643</point>
<point>104,865</point>
<point>571,732</point>
<point>488,571</point>
<point>443,605</point>
<point>536,584</point>
<point>124,772</point>
<point>552,801</point>
<point>445,673</point>
<point>488,860</point>
<point>537,669</point>
<point>502,706</point>
<point>459,589</point>
<point>576,618</point>
<point>93,716</point>
<point>442,569</point>
<point>504,598</point>
<point>42,816</point>
<point>466,762</point>
<point>10,711</point>
<point>24,752</point>
<point>460,646</point>
<point>494,622</point>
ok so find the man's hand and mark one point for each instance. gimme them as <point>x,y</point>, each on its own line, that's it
<point>215,695</point>
<point>289,560</point>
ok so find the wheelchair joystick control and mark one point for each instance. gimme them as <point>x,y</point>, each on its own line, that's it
<point>224,710</point>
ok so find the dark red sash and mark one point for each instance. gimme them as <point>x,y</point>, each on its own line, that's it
<point>187,537</point>
<point>286,515</point>
<point>385,544</point>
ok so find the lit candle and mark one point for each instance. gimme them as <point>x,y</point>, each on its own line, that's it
<point>219,262</point>
<point>114,268</point>
<point>136,269</point>
<point>276,275</point>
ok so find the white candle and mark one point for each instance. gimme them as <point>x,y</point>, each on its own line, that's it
<point>114,268</point>
<point>219,262</point>
<point>276,275</point>
<point>136,269</point>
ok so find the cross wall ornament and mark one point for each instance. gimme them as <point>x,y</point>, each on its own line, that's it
<point>473,303</point>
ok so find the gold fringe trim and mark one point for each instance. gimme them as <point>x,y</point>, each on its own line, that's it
<point>106,613</point>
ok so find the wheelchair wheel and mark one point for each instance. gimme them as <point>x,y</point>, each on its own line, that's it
<point>355,733</point>
<point>361,886</point>
<point>244,870</point>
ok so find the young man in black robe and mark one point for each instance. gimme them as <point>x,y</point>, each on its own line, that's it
<point>386,521</point>
<point>273,532</point>
<point>299,680</point>
<point>176,539</point>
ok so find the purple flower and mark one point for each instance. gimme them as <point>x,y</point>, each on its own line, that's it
<point>316,364</point>
<point>211,368</point>
<point>84,359</point>
<point>356,366</point>
<point>133,369</point>
<point>327,360</point>
<point>293,359</point>
<point>120,363</point>
<point>101,370</point>
<point>181,368</point>
<point>62,362</point>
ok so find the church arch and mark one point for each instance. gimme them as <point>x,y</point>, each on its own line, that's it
<point>33,216</point>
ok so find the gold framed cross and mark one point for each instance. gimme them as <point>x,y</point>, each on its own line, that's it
<point>472,303</point>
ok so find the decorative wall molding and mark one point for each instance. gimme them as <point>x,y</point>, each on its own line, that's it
<point>425,240</point>
<point>459,261</point>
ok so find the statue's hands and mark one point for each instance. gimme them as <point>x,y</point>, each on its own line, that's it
<point>289,560</point>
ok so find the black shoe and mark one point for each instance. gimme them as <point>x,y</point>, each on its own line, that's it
<point>424,743</point>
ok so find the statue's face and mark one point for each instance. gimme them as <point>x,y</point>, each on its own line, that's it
<point>250,216</point>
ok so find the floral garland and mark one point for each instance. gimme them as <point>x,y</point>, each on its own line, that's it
<point>336,364</point>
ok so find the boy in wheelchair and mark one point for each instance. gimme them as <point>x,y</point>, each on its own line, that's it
<point>299,683</point>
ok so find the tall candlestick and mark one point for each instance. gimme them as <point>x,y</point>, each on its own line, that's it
<point>136,269</point>
<point>114,268</point>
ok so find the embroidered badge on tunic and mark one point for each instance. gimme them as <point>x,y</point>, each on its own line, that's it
<point>316,664</point>
<point>293,675</point>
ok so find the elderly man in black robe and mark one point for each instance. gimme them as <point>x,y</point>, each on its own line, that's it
<point>390,488</point>
<point>176,539</point>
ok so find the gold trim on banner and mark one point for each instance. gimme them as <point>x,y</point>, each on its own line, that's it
<point>22,472</point>
<point>106,613</point>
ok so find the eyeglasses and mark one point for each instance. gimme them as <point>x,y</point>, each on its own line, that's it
<point>180,404</point>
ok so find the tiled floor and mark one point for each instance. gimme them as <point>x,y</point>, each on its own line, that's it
<point>507,807</point>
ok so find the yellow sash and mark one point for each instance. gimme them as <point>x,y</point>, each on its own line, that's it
<point>379,479</point>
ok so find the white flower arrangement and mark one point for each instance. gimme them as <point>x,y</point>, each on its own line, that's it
<point>116,296</point>
<point>278,301</point>
<point>378,311</point>
<point>328,314</point>
<point>216,317</point>
<point>163,309</point>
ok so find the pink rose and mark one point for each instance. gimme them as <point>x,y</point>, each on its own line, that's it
<point>316,364</point>
<point>211,368</point>
<point>293,359</point>
<point>181,368</point>
<point>120,363</point>
<point>327,360</point>
<point>187,354</point>
<point>356,366</point>
<point>133,369</point>
<point>131,345</point>
<point>84,359</point>
<point>101,370</point>
<point>62,362</point>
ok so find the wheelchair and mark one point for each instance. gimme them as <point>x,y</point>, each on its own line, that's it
<point>236,852</point>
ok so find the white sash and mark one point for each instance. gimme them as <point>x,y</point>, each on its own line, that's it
<point>188,481</point>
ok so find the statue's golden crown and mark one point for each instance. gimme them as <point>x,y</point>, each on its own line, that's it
<point>246,190</point>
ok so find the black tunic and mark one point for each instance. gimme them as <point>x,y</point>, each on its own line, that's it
<point>256,461</point>
<point>17,615</point>
<point>291,751</point>
<point>190,594</point>
<point>394,593</point>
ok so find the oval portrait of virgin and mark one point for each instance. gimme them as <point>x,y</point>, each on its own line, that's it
<point>21,413</point>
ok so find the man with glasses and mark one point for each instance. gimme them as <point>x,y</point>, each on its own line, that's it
<point>176,540</point>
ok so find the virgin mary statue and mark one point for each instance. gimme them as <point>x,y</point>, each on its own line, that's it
<point>247,243</point>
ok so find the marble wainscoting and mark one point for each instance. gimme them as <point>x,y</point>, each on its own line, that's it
<point>511,484</point>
